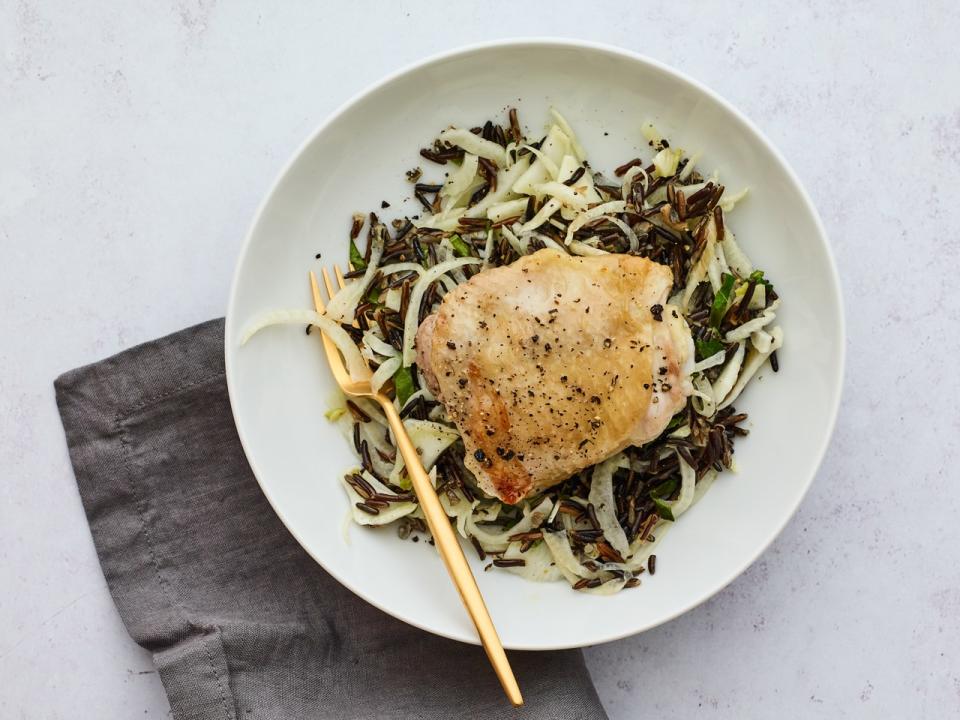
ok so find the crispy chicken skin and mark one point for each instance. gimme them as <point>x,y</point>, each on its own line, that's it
<point>554,363</point>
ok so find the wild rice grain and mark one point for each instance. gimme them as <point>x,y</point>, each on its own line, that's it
<point>524,536</point>
<point>622,170</point>
<point>358,414</point>
<point>359,485</point>
<point>356,226</point>
<point>433,156</point>
<point>515,131</point>
<point>577,174</point>
<point>368,462</point>
<point>479,548</point>
<point>652,564</point>
<point>592,514</point>
<point>427,205</point>
<point>608,553</point>
<point>404,229</point>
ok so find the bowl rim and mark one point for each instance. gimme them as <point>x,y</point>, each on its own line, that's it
<point>574,44</point>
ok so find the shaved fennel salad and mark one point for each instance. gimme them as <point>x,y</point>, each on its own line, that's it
<point>492,194</point>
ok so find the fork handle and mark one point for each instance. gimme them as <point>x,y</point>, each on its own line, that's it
<point>452,554</point>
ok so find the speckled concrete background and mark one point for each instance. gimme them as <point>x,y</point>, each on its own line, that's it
<point>135,143</point>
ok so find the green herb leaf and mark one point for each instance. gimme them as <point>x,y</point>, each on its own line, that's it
<point>757,277</point>
<point>460,248</point>
<point>660,495</point>
<point>707,348</point>
<point>677,420</point>
<point>356,257</point>
<point>403,384</point>
<point>665,489</point>
<point>721,301</point>
<point>373,295</point>
<point>664,509</point>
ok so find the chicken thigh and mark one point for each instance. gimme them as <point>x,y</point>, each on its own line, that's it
<point>554,363</point>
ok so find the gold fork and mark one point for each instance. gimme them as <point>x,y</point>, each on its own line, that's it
<point>437,521</point>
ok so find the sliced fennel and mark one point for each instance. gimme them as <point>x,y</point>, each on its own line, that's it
<point>411,322</point>
<point>430,439</point>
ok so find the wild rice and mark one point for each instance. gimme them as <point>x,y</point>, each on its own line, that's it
<point>361,486</point>
<point>608,553</point>
<point>577,174</point>
<point>356,437</point>
<point>622,169</point>
<point>367,462</point>
<point>592,514</point>
<point>478,547</point>
<point>515,133</point>
<point>356,226</point>
<point>358,414</point>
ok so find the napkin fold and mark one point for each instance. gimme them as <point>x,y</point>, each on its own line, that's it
<point>241,622</point>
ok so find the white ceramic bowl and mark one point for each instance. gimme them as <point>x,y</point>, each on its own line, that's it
<point>280,387</point>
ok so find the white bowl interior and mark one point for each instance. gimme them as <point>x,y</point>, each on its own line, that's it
<point>279,385</point>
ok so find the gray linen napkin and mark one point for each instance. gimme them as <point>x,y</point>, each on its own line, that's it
<point>241,622</point>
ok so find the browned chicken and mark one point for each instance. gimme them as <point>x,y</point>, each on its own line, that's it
<point>554,363</point>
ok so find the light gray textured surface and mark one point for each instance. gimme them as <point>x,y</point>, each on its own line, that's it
<point>135,144</point>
